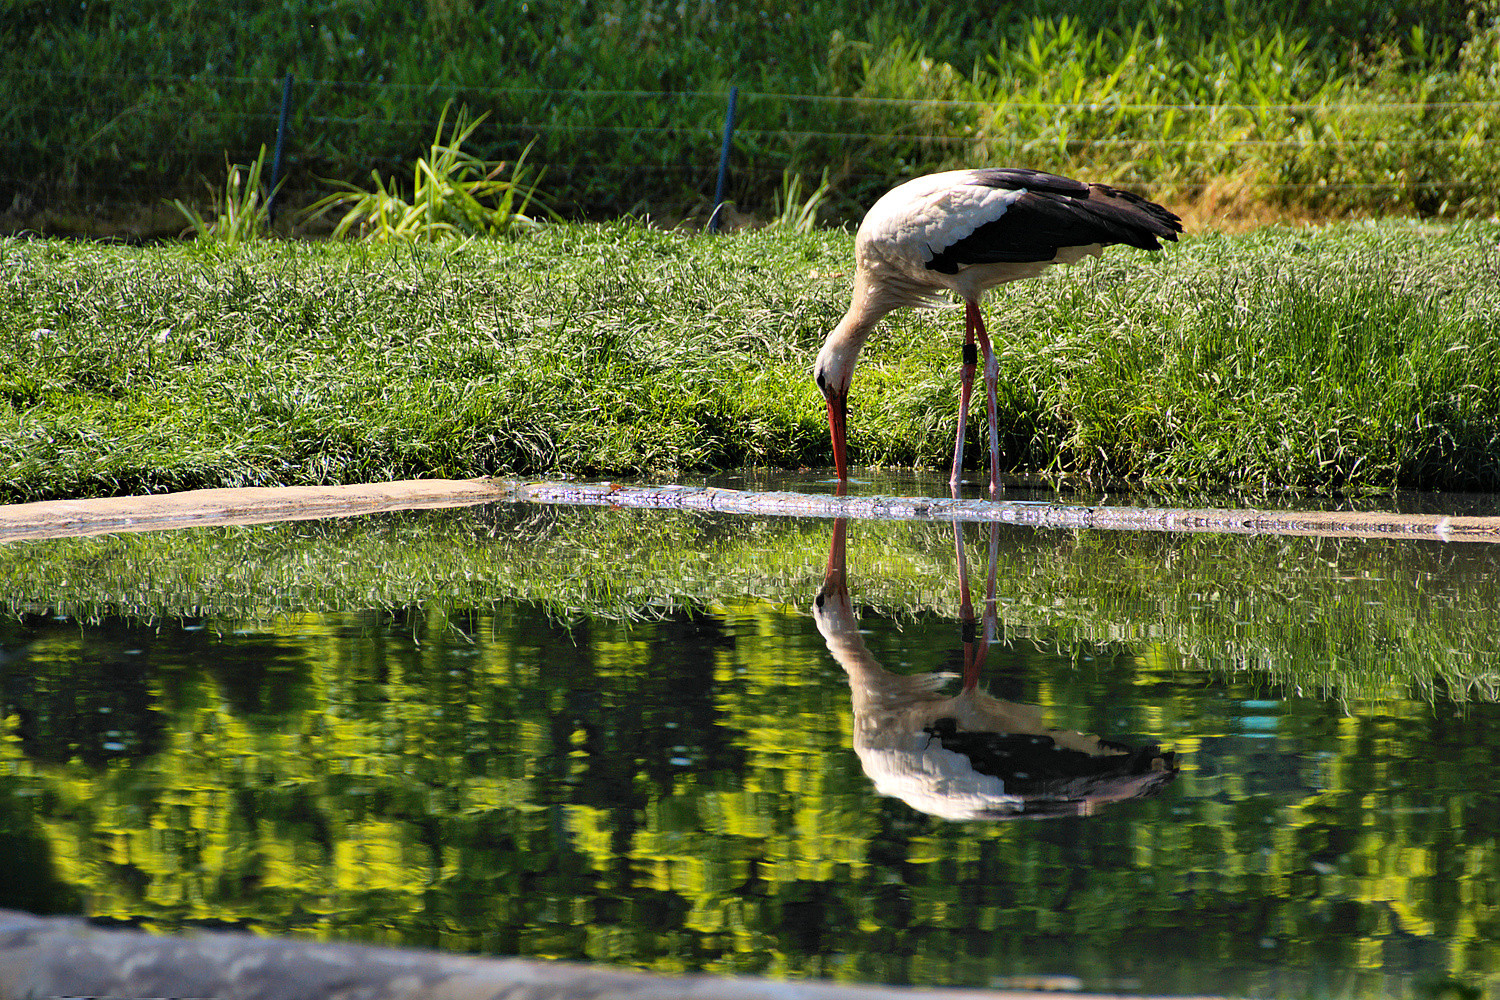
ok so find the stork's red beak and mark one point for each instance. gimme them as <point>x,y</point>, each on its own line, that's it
<point>838,411</point>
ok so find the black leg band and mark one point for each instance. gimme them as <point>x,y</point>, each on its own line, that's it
<point>971,354</point>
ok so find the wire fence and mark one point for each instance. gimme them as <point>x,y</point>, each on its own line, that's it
<point>719,96</point>
<point>673,136</point>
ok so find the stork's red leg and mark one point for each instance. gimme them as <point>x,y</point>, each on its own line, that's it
<point>992,400</point>
<point>965,389</point>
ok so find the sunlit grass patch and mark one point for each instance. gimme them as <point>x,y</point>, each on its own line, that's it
<point>241,211</point>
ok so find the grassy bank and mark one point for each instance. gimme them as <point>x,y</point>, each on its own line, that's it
<point>1325,107</point>
<point>1350,358</point>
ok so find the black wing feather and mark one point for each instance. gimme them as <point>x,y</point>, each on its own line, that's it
<point>1015,178</point>
<point>1057,212</point>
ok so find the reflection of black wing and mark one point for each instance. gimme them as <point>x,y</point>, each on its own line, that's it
<point>1053,778</point>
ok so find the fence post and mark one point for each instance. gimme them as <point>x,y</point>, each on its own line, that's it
<point>713,220</point>
<point>286,110</point>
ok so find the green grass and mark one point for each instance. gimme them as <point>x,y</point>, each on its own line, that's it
<point>240,212</point>
<point>1353,358</point>
<point>453,194</point>
<point>626,100</point>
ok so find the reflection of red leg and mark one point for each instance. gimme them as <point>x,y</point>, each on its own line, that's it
<point>991,615</point>
<point>965,388</point>
<point>972,658</point>
<point>992,400</point>
<point>835,570</point>
<point>977,647</point>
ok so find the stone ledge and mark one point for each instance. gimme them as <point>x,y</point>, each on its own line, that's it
<point>66,957</point>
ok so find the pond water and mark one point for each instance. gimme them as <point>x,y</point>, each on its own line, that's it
<point>686,741</point>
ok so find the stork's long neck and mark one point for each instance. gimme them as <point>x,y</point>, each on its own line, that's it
<point>842,346</point>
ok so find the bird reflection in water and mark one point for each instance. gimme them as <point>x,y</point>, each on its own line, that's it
<point>970,756</point>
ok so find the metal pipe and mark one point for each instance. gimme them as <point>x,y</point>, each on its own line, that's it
<point>286,111</point>
<point>713,220</point>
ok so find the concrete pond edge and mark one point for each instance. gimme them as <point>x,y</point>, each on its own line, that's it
<point>259,505</point>
<point>69,957</point>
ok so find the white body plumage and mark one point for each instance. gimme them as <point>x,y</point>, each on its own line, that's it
<point>914,222</point>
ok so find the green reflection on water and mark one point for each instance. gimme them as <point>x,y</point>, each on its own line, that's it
<point>618,736</point>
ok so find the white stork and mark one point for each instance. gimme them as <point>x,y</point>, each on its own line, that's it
<point>966,231</point>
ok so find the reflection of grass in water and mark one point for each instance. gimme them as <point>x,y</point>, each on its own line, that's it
<point>1364,619</point>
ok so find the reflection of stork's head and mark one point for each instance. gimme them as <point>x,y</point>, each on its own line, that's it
<point>832,609</point>
<point>834,614</point>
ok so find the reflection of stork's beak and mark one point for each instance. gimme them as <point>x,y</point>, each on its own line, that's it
<point>835,577</point>
<point>838,413</point>
<point>833,611</point>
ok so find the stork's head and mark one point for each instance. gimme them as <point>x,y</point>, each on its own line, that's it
<point>834,370</point>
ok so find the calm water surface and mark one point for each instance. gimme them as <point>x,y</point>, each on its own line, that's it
<point>690,742</point>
